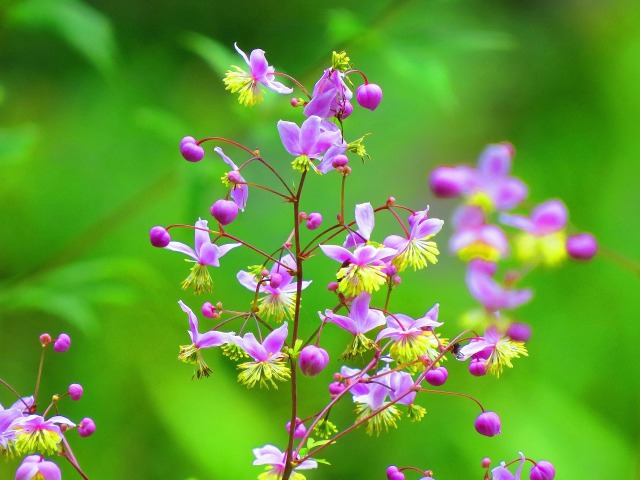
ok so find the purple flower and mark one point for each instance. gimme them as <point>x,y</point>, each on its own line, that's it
<point>269,361</point>
<point>330,96</point>
<point>416,251</point>
<point>213,338</point>
<point>248,83</point>
<point>369,95</point>
<point>311,141</point>
<point>474,238</point>
<point>273,457</point>
<point>36,468</point>
<point>497,349</point>
<point>365,220</point>
<point>280,299</point>
<point>205,253</point>
<point>362,270</point>
<point>240,191</point>
<point>493,296</point>
<point>502,473</point>
<point>34,434</point>
<point>7,434</point>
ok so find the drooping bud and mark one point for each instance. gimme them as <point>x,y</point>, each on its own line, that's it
<point>190,150</point>
<point>313,360</point>
<point>394,473</point>
<point>520,332</point>
<point>224,211</point>
<point>447,182</point>
<point>542,470</point>
<point>583,246</point>
<point>437,376</point>
<point>336,388</point>
<point>478,367</point>
<point>75,391</point>
<point>300,430</point>
<point>339,161</point>
<point>86,427</point>
<point>275,280</point>
<point>63,343</point>
<point>208,310</point>
<point>369,95</point>
<point>333,286</point>
<point>488,424</point>
<point>159,237</point>
<point>347,109</point>
<point>314,220</point>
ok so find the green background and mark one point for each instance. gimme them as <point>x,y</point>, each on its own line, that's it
<point>94,98</point>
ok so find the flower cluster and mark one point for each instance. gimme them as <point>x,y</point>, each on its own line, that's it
<point>395,357</point>
<point>25,432</point>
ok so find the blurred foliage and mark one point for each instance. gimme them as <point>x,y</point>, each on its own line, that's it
<point>94,98</point>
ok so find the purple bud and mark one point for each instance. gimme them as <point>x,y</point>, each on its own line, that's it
<point>190,150</point>
<point>394,473</point>
<point>208,310</point>
<point>295,102</point>
<point>333,286</point>
<point>542,470</point>
<point>369,95</point>
<point>346,110</point>
<point>486,462</point>
<point>339,161</point>
<point>520,332</point>
<point>488,424</point>
<point>45,339</point>
<point>86,427</point>
<point>224,211</point>
<point>314,220</point>
<point>478,367</point>
<point>75,391</point>
<point>437,376</point>
<point>582,246</point>
<point>62,344</point>
<point>159,237</point>
<point>313,360</point>
<point>275,280</point>
<point>234,177</point>
<point>447,182</point>
<point>336,388</point>
<point>300,430</point>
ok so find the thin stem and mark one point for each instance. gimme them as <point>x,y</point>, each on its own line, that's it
<point>624,262</point>
<point>35,394</point>
<point>68,454</point>
<point>222,139</point>
<point>280,74</point>
<point>14,391</point>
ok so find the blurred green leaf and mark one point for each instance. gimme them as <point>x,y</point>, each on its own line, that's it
<point>83,27</point>
<point>16,143</point>
<point>218,57</point>
<point>343,25</point>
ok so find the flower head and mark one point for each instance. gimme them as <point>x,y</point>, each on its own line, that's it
<point>205,253</point>
<point>275,460</point>
<point>330,96</point>
<point>474,238</point>
<point>493,296</point>
<point>34,467</point>
<point>248,83</point>
<point>240,191</point>
<point>365,220</point>
<point>269,361</point>
<point>502,473</point>
<point>497,349</point>
<point>34,434</point>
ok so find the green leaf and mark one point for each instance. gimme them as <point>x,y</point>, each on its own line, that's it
<point>83,27</point>
<point>218,57</point>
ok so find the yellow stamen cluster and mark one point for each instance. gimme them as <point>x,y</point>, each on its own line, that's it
<point>340,61</point>
<point>199,279</point>
<point>233,351</point>
<point>480,250</point>
<point>278,307</point>
<point>191,354</point>
<point>244,83</point>
<point>359,345</point>
<point>355,279</point>
<point>382,420</point>
<point>482,200</point>
<point>276,474</point>
<point>411,347</point>
<point>42,441</point>
<point>547,249</point>
<point>264,373</point>
<point>416,412</point>
<point>325,429</point>
<point>504,351</point>
<point>417,254</point>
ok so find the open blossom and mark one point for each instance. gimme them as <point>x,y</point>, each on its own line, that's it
<point>543,237</point>
<point>213,338</point>
<point>269,361</point>
<point>363,270</point>
<point>34,434</point>
<point>361,319</point>
<point>279,301</point>
<point>496,349</point>
<point>365,220</point>
<point>315,139</point>
<point>493,296</point>
<point>411,338</point>
<point>240,191</point>
<point>474,238</point>
<point>248,83</point>
<point>330,96</point>
<point>272,456</point>
<point>205,253</point>
<point>34,467</point>
<point>416,250</point>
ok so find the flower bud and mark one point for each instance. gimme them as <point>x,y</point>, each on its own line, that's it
<point>333,286</point>
<point>520,332</point>
<point>313,360</point>
<point>275,280</point>
<point>369,95</point>
<point>394,473</point>
<point>208,310</point>
<point>347,110</point>
<point>224,211</point>
<point>486,462</point>
<point>45,339</point>
<point>339,161</point>
<point>542,470</point>
<point>336,388</point>
<point>295,102</point>
<point>583,246</point>
<point>190,150</point>
<point>62,344</point>
<point>488,424</point>
<point>437,376</point>
<point>75,391</point>
<point>159,237</point>
<point>314,220</point>
<point>300,430</point>
<point>447,182</point>
<point>478,367</point>
<point>86,427</point>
